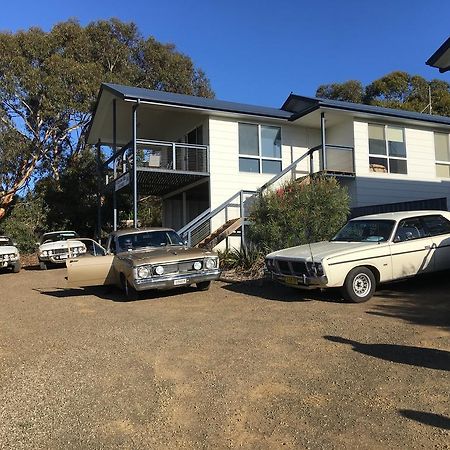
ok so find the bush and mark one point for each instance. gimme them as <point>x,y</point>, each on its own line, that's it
<point>298,213</point>
<point>25,223</point>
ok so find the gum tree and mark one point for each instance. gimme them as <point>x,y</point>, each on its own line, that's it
<point>48,87</point>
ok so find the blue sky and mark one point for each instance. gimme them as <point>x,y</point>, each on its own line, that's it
<point>257,52</point>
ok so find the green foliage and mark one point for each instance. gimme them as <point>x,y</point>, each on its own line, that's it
<point>398,90</point>
<point>26,223</point>
<point>298,213</point>
<point>349,91</point>
<point>150,211</point>
<point>244,258</point>
<point>72,201</point>
<point>49,83</point>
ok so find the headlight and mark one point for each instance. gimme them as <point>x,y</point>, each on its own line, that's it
<point>44,253</point>
<point>315,268</point>
<point>197,265</point>
<point>143,272</point>
<point>50,253</point>
<point>210,263</point>
<point>159,270</point>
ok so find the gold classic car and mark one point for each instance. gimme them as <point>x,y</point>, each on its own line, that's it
<point>368,250</point>
<point>142,259</point>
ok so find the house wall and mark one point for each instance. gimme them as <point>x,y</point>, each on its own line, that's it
<point>372,188</point>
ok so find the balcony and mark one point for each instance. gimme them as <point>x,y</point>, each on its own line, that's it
<point>161,167</point>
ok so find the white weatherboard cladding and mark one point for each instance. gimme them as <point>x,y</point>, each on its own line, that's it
<point>420,183</point>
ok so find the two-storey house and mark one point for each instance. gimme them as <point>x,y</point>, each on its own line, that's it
<point>207,158</point>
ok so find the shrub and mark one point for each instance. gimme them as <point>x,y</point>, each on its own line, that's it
<point>298,213</point>
<point>25,223</point>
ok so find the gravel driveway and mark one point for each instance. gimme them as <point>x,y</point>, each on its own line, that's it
<point>243,365</point>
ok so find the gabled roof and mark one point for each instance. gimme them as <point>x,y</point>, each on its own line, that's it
<point>300,105</point>
<point>441,57</point>
<point>190,101</point>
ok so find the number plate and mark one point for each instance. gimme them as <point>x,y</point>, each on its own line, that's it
<point>179,281</point>
<point>290,280</point>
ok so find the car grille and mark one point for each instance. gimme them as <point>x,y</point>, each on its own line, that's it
<point>297,268</point>
<point>59,251</point>
<point>180,267</point>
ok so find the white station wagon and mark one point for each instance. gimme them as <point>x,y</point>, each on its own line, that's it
<point>367,251</point>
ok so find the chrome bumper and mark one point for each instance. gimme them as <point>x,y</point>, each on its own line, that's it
<point>9,263</point>
<point>174,281</point>
<point>301,282</point>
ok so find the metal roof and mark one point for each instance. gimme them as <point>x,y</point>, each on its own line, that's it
<point>190,101</point>
<point>300,105</point>
<point>441,57</point>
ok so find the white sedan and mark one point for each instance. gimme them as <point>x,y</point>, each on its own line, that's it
<point>367,251</point>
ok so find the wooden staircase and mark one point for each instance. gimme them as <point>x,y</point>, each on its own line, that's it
<point>221,233</point>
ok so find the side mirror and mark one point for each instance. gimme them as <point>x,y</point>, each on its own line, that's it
<point>15,244</point>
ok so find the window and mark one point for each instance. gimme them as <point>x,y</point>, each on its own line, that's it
<point>387,150</point>
<point>436,225</point>
<point>442,154</point>
<point>259,148</point>
<point>409,229</point>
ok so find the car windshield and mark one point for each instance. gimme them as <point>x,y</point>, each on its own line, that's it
<point>365,231</point>
<point>58,236</point>
<point>158,238</point>
<point>5,241</point>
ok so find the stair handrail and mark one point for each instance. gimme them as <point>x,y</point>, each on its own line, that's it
<point>194,221</point>
<point>286,170</point>
<point>208,214</point>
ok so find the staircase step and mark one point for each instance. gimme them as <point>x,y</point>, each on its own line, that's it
<point>221,233</point>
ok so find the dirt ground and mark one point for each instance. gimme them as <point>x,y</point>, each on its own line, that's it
<point>250,365</point>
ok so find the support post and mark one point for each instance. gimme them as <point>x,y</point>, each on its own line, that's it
<point>99,193</point>
<point>322,133</point>
<point>241,198</point>
<point>174,156</point>
<point>115,164</point>
<point>135,187</point>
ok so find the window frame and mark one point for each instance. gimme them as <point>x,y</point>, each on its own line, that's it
<point>437,161</point>
<point>260,158</point>
<point>387,156</point>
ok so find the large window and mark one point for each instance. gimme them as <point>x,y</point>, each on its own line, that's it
<point>259,148</point>
<point>442,153</point>
<point>387,150</point>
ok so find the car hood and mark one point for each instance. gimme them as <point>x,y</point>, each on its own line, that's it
<point>60,244</point>
<point>165,255</point>
<point>323,250</point>
<point>8,249</point>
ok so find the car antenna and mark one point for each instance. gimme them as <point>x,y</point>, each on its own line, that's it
<point>308,237</point>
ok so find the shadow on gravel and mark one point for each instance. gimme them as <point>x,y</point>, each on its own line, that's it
<point>423,300</point>
<point>36,267</point>
<point>435,420</point>
<point>112,294</point>
<point>403,354</point>
<point>277,292</point>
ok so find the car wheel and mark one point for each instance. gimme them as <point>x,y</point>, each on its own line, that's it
<point>203,285</point>
<point>359,285</point>
<point>42,265</point>
<point>127,289</point>
<point>16,267</point>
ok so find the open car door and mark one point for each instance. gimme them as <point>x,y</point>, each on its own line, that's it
<point>93,268</point>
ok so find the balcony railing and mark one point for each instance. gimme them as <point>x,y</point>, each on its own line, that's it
<point>159,156</point>
<point>172,156</point>
<point>338,159</point>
